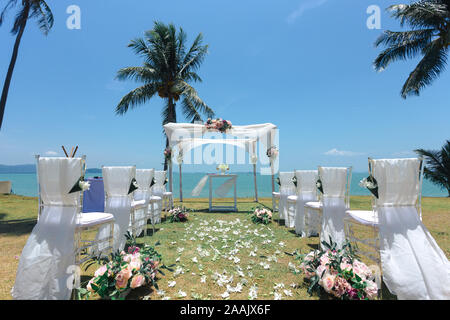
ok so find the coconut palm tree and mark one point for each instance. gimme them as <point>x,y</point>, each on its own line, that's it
<point>429,37</point>
<point>28,9</point>
<point>437,167</point>
<point>166,71</point>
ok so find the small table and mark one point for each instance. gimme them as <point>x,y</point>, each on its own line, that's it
<point>222,208</point>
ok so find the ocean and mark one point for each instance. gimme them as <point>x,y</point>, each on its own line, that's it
<point>25,184</point>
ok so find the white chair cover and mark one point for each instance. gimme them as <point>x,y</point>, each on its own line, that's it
<point>334,184</point>
<point>158,190</point>
<point>287,188</point>
<point>117,182</point>
<point>144,179</point>
<point>306,191</point>
<point>414,267</point>
<point>159,187</point>
<point>43,272</point>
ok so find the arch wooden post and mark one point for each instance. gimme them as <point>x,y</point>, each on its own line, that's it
<point>181,186</point>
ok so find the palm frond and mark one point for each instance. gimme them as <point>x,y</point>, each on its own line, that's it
<point>189,111</point>
<point>6,8</point>
<point>421,14</point>
<point>428,69</point>
<point>44,15</point>
<point>402,45</point>
<point>190,93</point>
<point>138,74</point>
<point>136,97</point>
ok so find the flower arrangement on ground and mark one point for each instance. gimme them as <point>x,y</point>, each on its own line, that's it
<point>223,168</point>
<point>178,215</point>
<point>123,271</point>
<point>262,215</point>
<point>220,125</point>
<point>338,273</point>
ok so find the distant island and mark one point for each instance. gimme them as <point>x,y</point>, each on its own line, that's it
<point>31,168</point>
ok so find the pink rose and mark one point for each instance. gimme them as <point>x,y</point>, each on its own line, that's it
<point>308,274</point>
<point>320,269</point>
<point>324,259</point>
<point>328,282</point>
<point>346,266</point>
<point>137,281</point>
<point>371,290</point>
<point>341,286</point>
<point>135,263</point>
<point>127,258</point>
<point>122,278</point>
<point>100,271</point>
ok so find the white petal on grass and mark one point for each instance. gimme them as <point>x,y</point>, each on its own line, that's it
<point>171,284</point>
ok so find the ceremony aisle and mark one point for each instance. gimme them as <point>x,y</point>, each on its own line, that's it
<point>245,250</point>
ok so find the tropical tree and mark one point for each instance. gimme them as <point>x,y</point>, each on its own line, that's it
<point>28,9</point>
<point>437,168</point>
<point>429,37</point>
<point>167,70</point>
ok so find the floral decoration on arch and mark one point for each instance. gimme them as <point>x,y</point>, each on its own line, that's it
<point>219,124</point>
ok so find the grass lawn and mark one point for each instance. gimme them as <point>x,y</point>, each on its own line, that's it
<point>211,250</point>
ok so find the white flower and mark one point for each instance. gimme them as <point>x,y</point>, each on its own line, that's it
<point>203,279</point>
<point>288,293</point>
<point>84,185</point>
<point>281,244</point>
<point>161,292</point>
<point>181,294</point>
<point>293,285</point>
<point>278,286</point>
<point>253,293</point>
<point>179,250</point>
<point>178,259</point>
<point>194,259</point>
<point>277,296</point>
<point>166,298</point>
<point>171,284</point>
<point>225,295</point>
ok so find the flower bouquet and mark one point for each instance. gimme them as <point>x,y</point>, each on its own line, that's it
<point>123,272</point>
<point>262,215</point>
<point>178,215</point>
<point>337,273</point>
<point>371,184</point>
<point>168,154</point>
<point>220,125</point>
<point>272,152</point>
<point>223,168</point>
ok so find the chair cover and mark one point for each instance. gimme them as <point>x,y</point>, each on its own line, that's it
<point>414,267</point>
<point>287,188</point>
<point>43,271</point>
<point>306,191</point>
<point>158,190</point>
<point>144,178</point>
<point>334,184</point>
<point>117,182</point>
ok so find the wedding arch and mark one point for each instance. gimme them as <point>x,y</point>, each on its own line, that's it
<point>187,136</point>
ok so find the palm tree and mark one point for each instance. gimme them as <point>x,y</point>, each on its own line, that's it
<point>429,37</point>
<point>167,70</point>
<point>28,9</point>
<point>437,167</point>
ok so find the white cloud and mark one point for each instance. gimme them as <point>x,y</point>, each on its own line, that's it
<point>303,7</point>
<point>51,153</point>
<point>336,152</point>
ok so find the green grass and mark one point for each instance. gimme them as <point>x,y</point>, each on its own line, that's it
<point>199,236</point>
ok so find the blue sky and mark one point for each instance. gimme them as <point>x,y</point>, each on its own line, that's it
<point>305,66</point>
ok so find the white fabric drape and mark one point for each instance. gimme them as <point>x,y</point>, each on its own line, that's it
<point>159,187</point>
<point>306,192</point>
<point>177,132</point>
<point>43,272</point>
<point>117,182</point>
<point>225,187</point>
<point>144,179</point>
<point>287,188</point>
<point>199,187</point>
<point>414,267</point>
<point>334,184</point>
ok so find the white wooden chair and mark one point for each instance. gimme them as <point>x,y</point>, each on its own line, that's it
<point>306,192</point>
<point>335,184</point>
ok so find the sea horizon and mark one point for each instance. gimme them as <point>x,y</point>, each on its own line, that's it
<point>25,184</point>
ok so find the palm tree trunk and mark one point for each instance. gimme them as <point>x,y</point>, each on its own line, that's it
<point>11,66</point>
<point>172,118</point>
